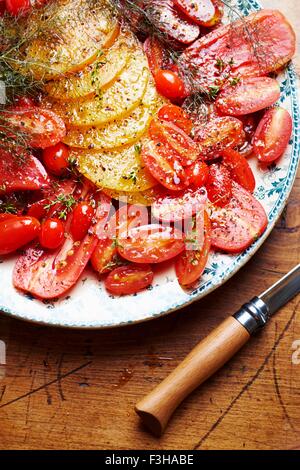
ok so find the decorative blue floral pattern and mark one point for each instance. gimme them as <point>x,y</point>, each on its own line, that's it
<point>89,306</point>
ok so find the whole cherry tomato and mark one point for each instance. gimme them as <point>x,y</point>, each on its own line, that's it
<point>169,84</point>
<point>82,218</point>
<point>56,158</point>
<point>52,234</point>
<point>16,232</point>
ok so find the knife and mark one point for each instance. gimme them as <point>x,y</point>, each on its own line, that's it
<point>214,351</point>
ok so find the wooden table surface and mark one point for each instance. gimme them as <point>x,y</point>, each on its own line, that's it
<point>76,390</point>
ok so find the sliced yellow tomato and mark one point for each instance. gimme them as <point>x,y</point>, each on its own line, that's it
<point>145,198</point>
<point>121,170</point>
<point>107,67</point>
<point>112,103</point>
<point>115,134</point>
<point>65,36</point>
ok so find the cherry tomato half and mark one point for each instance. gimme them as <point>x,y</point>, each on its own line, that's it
<point>151,244</point>
<point>16,232</point>
<point>52,234</point>
<point>82,218</point>
<point>197,174</point>
<point>272,135</point>
<point>179,206</point>
<point>219,185</point>
<point>169,84</point>
<point>177,116</point>
<point>56,158</point>
<point>190,264</point>
<point>163,166</point>
<point>156,54</point>
<point>239,169</point>
<point>218,134</point>
<point>174,141</point>
<point>129,279</point>
<point>103,256</point>
<point>201,12</point>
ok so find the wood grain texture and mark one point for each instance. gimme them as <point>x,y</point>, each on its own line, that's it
<point>77,390</point>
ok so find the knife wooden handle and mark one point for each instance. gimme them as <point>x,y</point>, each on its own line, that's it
<point>203,361</point>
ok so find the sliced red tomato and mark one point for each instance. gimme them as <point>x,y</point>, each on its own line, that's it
<point>6,216</point>
<point>156,54</point>
<point>197,174</point>
<point>236,226</point>
<point>170,85</point>
<point>168,20</point>
<point>239,168</point>
<point>201,12</point>
<point>248,96</point>
<point>174,141</point>
<point>82,218</point>
<point>182,206</point>
<point>163,166</point>
<point>190,264</point>
<point>151,244</point>
<point>218,134</point>
<point>16,232</point>
<point>50,275</point>
<point>56,159</point>
<point>219,185</point>
<point>43,127</point>
<point>21,171</point>
<point>272,135</point>
<point>177,116</point>
<point>255,45</point>
<point>130,279</point>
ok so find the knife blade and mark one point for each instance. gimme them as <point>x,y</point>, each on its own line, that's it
<point>255,314</point>
<point>214,351</point>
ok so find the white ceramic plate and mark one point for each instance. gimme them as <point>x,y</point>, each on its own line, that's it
<point>88,305</point>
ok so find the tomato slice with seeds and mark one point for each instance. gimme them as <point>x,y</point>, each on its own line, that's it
<point>248,96</point>
<point>48,275</point>
<point>191,263</point>
<point>20,171</point>
<point>17,231</point>
<point>42,126</point>
<point>218,134</point>
<point>129,279</point>
<point>236,226</point>
<point>104,255</point>
<point>272,135</point>
<point>151,244</point>
<point>177,116</point>
<point>239,169</point>
<point>174,140</point>
<point>202,12</point>
<point>219,185</point>
<point>163,166</point>
<point>179,206</point>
